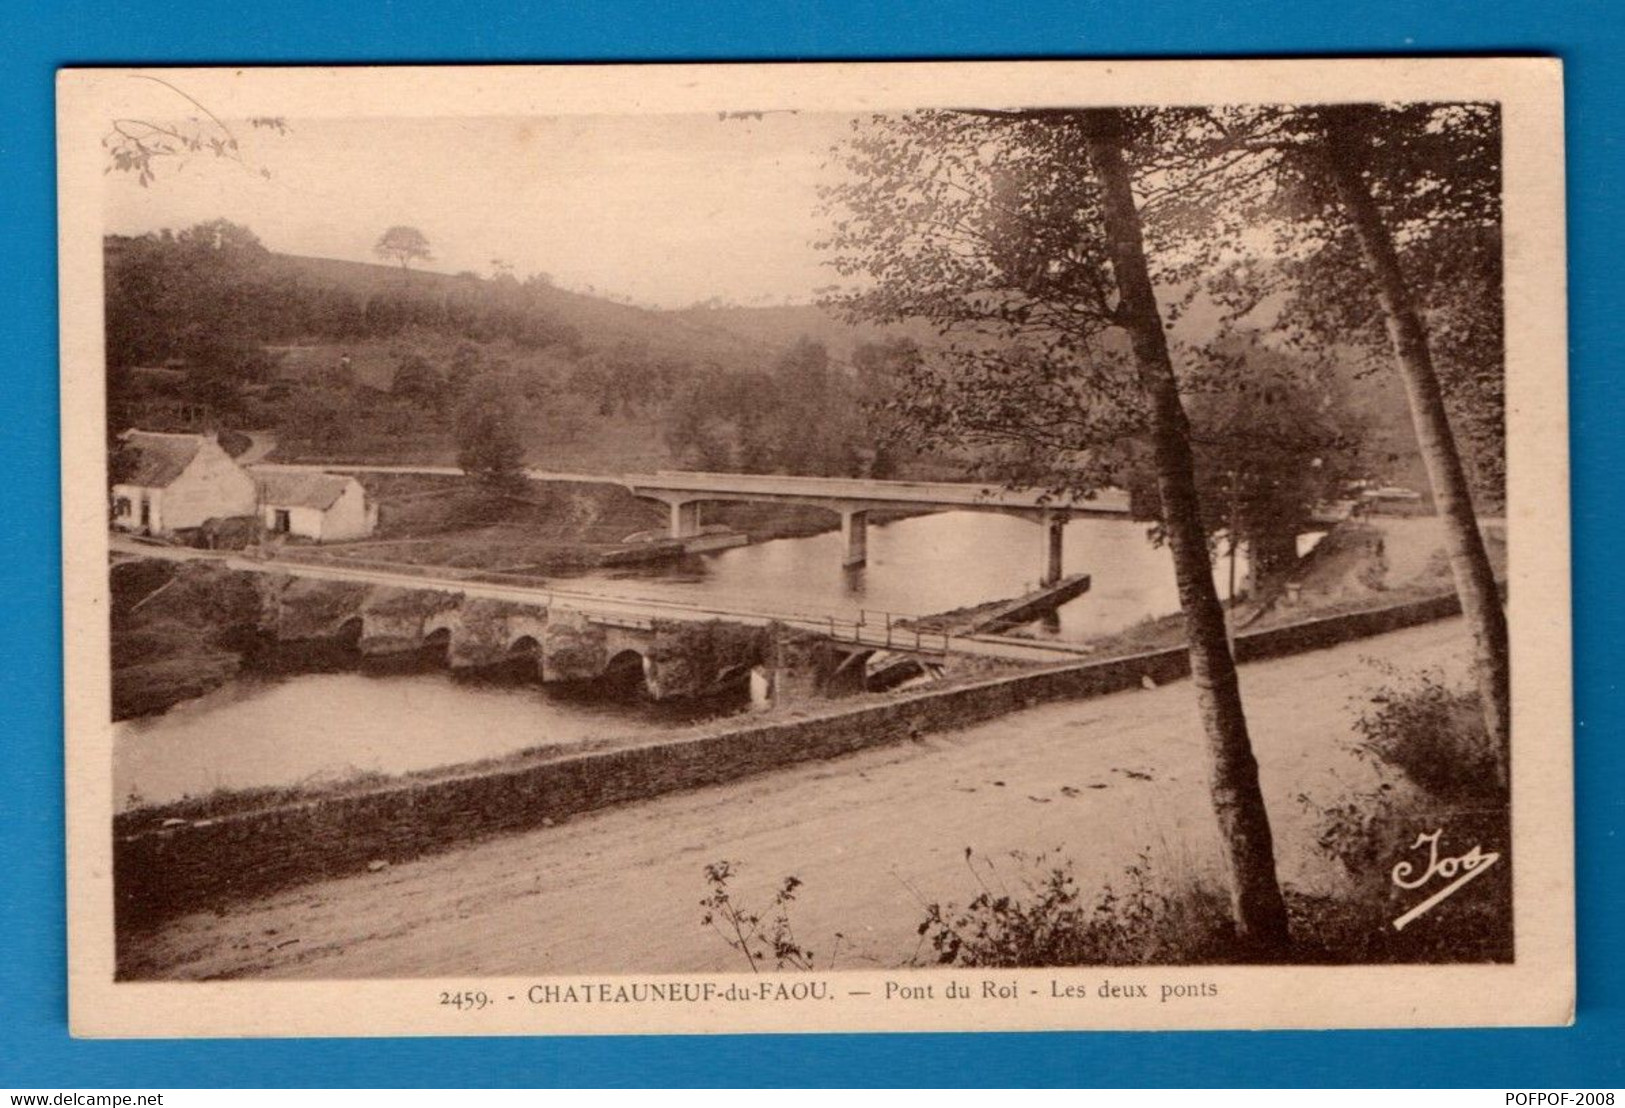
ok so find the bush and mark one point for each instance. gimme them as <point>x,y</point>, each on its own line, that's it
<point>1431,732</point>
<point>1425,739</point>
<point>1047,921</point>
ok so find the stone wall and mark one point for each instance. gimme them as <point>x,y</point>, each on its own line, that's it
<point>165,871</point>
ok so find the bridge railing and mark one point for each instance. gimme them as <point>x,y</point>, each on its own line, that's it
<point>888,630</point>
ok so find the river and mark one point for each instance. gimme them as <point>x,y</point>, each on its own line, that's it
<point>265,730</point>
<point>927,564</point>
<point>316,728</point>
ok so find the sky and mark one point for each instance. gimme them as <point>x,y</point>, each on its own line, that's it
<point>668,210</point>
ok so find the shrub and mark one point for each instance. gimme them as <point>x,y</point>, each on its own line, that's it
<point>1426,742</point>
<point>1433,733</point>
<point>1048,922</point>
<point>746,931</point>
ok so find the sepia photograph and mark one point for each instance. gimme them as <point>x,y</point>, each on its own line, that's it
<point>816,547</point>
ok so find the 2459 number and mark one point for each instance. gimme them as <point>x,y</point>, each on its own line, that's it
<point>466,1001</point>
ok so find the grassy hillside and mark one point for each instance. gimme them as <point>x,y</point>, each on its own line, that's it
<point>602,323</point>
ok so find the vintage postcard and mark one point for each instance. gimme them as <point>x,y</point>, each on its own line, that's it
<point>579,550</point>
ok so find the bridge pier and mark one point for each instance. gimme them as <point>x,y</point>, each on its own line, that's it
<point>685,519</point>
<point>1054,530</point>
<point>854,538</point>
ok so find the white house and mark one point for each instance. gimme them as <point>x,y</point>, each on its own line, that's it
<point>321,506</point>
<point>177,482</point>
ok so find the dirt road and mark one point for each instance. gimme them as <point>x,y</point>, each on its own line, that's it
<point>873,837</point>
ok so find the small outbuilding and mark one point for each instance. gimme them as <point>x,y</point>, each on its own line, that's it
<point>325,507</point>
<point>175,482</point>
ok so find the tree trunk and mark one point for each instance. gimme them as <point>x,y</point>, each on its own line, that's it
<point>1469,561</point>
<point>1260,912</point>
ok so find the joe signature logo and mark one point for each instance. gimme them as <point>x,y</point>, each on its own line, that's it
<point>1458,871</point>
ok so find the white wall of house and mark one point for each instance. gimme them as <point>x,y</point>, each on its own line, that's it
<point>302,521</point>
<point>211,486</point>
<point>349,517</point>
<point>127,504</point>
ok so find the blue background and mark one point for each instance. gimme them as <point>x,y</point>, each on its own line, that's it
<point>35,1050</point>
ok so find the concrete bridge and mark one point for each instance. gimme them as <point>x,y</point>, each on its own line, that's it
<point>851,498</point>
<point>854,498</point>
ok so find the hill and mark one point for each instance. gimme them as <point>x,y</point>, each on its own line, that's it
<point>602,379</point>
<point>601,323</point>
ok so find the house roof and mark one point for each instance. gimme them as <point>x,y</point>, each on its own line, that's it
<point>160,457</point>
<point>298,489</point>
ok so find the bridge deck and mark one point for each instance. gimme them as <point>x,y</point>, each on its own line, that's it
<point>855,491</point>
<point>860,492</point>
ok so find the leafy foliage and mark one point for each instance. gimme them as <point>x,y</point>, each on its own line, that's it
<point>760,936</point>
<point>173,295</point>
<point>806,416</point>
<point>1431,731</point>
<point>489,447</point>
<point>1244,213</point>
<point>417,380</point>
<point>1426,741</point>
<point>1046,920</point>
<point>1274,437</point>
<point>986,229</point>
<point>139,145</point>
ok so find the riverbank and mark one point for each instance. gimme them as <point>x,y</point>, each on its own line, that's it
<point>872,836</point>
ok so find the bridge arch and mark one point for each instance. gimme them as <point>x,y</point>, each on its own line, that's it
<point>438,640</point>
<point>627,669</point>
<point>524,656</point>
<point>851,675</point>
<point>524,646</point>
<point>441,622</point>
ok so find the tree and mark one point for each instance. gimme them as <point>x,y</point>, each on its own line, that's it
<point>620,378</point>
<point>403,244</point>
<point>1274,439</point>
<point>1019,237</point>
<point>418,381</point>
<point>317,419</point>
<point>1388,225</point>
<point>487,430</point>
<point>883,369</point>
<point>1352,142</point>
